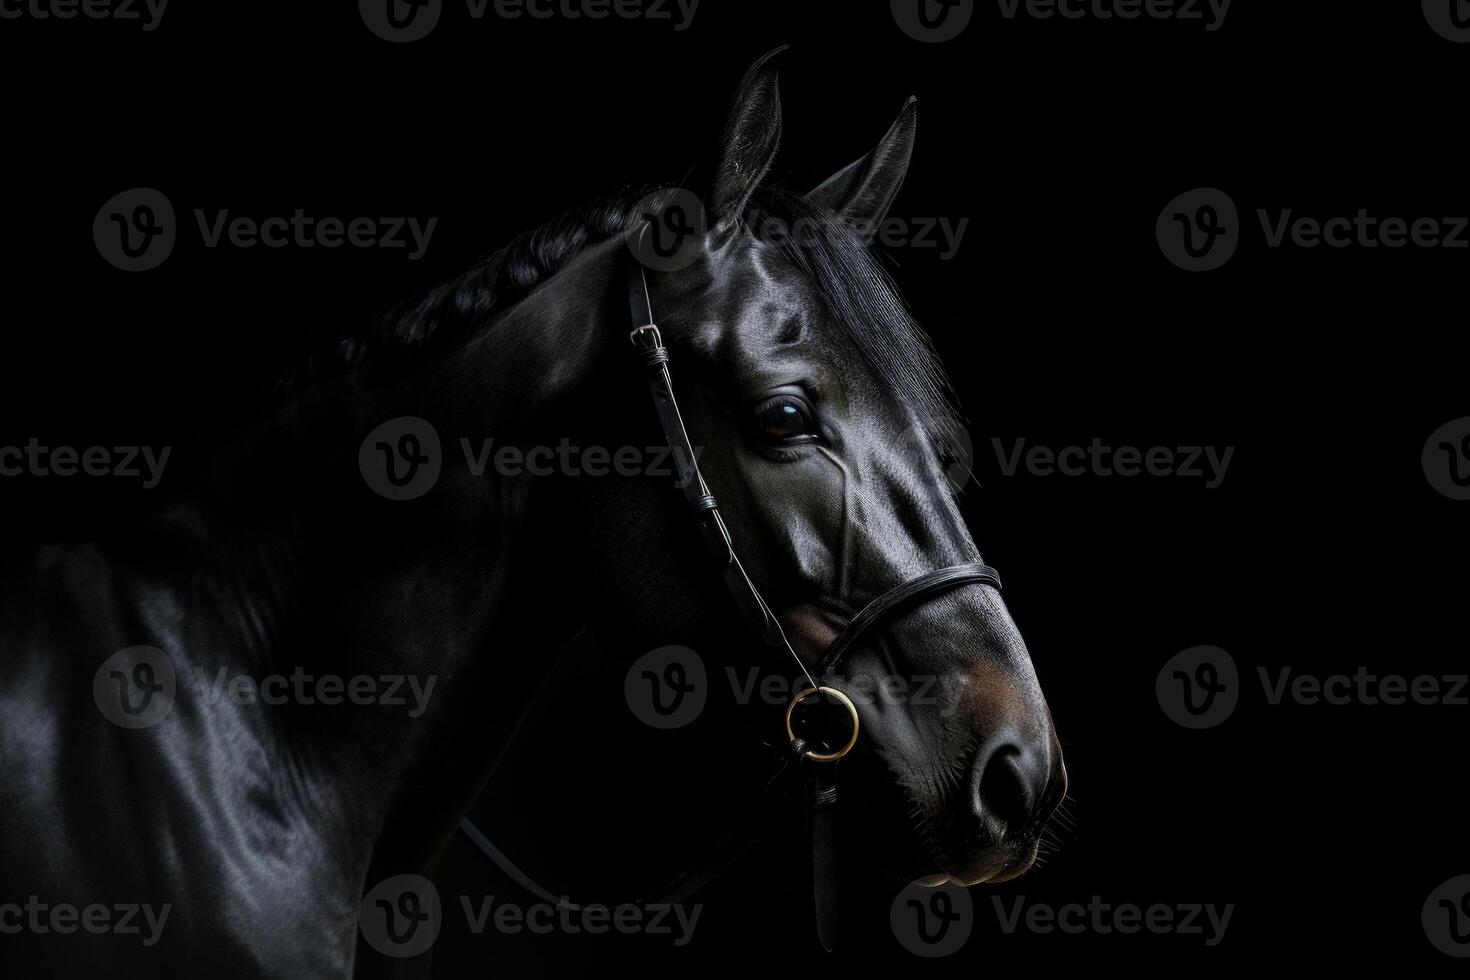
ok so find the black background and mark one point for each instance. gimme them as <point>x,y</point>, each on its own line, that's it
<point>1325,548</point>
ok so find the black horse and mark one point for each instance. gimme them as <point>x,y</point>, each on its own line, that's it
<point>229,724</point>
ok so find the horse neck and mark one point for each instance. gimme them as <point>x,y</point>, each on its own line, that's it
<point>260,577</point>
<point>476,603</point>
<point>330,797</point>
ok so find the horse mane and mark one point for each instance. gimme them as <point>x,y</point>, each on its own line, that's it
<point>859,294</point>
<point>409,332</point>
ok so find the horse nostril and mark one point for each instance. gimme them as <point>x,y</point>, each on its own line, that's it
<point>1011,783</point>
<point>1003,795</point>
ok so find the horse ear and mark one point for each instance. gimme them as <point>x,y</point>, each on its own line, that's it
<point>752,134</point>
<point>863,191</point>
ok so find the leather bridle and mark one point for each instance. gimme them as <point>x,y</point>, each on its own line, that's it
<point>821,766</point>
<point>648,341</point>
<point>757,612</point>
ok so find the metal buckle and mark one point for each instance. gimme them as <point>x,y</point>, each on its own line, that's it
<point>845,701</point>
<point>658,340</point>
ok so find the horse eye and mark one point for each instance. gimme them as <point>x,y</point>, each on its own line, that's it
<point>785,418</point>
